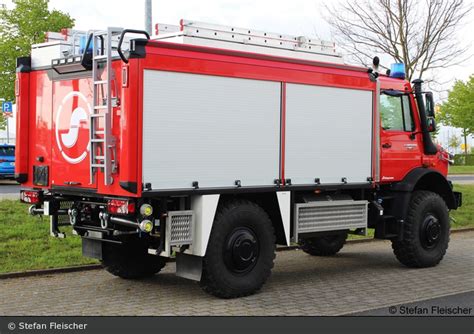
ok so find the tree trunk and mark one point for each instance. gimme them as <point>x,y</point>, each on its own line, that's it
<point>464,133</point>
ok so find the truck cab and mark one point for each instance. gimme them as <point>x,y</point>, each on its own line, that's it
<point>404,147</point>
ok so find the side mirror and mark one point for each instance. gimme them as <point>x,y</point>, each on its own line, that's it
<point>431,124</point>
<point>430,106</point>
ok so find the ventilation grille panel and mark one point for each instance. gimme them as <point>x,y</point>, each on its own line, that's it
<point>330,216</point>
<point>179,227</point>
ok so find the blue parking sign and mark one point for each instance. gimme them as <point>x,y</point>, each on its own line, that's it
<point>7,107</point>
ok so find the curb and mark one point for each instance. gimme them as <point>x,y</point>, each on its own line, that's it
<point>98,266</point>
<point>460,230</point>
<point>50,271</point>
<point>9,197</point>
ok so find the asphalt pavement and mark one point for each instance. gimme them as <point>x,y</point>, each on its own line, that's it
<point>462,179</point>
<point>9,189</point>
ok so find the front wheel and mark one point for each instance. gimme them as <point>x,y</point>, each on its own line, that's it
<point>240,252</point>
<point>426,232</point>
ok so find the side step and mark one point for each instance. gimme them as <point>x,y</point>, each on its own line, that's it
<point>327,216</point>
<point>388,227</point>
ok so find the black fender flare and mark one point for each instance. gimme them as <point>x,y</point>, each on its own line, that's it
<point>431,180</point>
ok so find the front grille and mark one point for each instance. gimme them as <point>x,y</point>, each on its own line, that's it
<point>180,226</point>
<point>330,216</point>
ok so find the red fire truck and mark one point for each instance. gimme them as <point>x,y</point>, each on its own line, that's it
<point>212,145</point>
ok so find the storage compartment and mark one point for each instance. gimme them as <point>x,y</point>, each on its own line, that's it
<point>203,131</point>
<point>43,54</point>
<point>328,135</point>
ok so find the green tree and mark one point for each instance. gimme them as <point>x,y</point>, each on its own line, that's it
<point>454,142</point>
<point>458,110</point>
<point>20,27</point>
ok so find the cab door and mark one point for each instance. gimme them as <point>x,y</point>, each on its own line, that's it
<point>401,146</point>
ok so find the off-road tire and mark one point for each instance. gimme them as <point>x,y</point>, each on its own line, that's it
<point>412,250</point>
<point>130,261</point>
<point>218,275</point>
<point>324,246</point>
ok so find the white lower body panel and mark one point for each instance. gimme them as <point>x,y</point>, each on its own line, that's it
<point>204,208</point>
<point>284,203</point>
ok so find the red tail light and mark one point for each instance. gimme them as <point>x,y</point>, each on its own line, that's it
<point>120,207</point>
<point>32,197</point>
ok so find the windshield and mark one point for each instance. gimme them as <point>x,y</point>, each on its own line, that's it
<point>7,151</point>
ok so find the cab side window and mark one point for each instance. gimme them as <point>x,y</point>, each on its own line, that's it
<point>396,113</point>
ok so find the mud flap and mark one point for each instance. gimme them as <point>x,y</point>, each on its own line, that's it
<point>92,248</point>
<point>189,266</point>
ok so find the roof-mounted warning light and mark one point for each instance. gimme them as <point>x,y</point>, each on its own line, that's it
<point>397,71</point>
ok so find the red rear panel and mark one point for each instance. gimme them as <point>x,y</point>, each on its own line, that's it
<point>72,106</point>
<point>53,132</point>
<point>22,87</point>
<point>35,127</point>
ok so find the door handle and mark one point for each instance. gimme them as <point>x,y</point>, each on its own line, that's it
<point>387,145</point>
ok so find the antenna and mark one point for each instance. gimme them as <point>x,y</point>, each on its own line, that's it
<point>148,16</point>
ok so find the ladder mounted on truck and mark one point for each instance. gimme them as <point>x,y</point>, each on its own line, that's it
<point>101,48</point>
<point>102,143</point>
<point>248,40</point>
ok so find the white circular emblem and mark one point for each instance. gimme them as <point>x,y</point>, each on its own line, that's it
<point>69,139</point>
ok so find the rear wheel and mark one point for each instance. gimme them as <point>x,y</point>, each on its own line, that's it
<point>241,251</point>
<point>324,246</point>
<point>426,232</point>
<point>130,261</point>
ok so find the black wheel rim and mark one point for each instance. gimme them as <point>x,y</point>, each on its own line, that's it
<point>241,250</point>
<point>430,233</point>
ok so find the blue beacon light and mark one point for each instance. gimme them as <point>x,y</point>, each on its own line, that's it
<point>398,71</point>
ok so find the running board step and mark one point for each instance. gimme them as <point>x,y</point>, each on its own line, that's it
<point>389,227</point>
